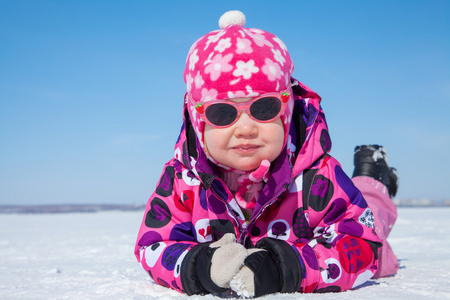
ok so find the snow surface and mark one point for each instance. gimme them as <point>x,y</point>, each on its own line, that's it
<point>90,256</point>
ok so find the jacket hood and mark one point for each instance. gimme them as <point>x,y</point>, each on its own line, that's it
<point>308,141</point>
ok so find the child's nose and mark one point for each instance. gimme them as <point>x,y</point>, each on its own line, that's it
<point>246,126</point>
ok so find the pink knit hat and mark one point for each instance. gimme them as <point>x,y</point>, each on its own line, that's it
<point>236,62</point>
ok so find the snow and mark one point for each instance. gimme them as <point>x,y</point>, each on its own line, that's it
<point>90,256</point>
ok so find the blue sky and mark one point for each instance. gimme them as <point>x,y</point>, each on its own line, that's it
<point>91,92</point>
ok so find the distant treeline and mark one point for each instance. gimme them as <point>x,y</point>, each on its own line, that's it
<point>66,208</point>
<point>421,203</point>
<point>92,208</point>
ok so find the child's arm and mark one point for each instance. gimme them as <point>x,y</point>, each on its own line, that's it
<point>345,243</point>
<point>166,234</point>
<point>167,247</point>
<point>340,252</point>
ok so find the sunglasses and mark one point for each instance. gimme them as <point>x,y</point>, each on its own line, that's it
<point>224,113</point>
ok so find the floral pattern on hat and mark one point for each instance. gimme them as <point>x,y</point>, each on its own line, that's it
<point>235,60</point>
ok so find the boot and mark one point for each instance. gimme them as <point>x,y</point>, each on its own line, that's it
<point>371,160</point>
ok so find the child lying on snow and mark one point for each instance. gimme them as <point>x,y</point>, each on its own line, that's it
<point>252,203</point>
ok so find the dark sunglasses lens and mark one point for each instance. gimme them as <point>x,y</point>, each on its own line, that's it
<point>265,108</point>
<point>221,114</point>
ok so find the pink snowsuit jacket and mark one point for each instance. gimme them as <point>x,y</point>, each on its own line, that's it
<point>309,204</point>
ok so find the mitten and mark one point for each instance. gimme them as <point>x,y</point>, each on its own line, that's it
<point>209,267</point>
<point>227,260</point>
<point>259,276</point>
<point>271,267</point>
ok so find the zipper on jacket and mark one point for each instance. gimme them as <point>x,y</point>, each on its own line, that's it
<point>260,212</point>
<point>233,214</point>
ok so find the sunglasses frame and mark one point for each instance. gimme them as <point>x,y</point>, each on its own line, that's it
<point>201,107</point>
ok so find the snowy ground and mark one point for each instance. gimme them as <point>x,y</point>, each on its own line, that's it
<point>90,256</point>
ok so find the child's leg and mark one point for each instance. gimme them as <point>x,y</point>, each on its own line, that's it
<point>378,183</point>
<point>385,214</point>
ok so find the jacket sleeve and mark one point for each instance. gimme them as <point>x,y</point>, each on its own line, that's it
<point>335,247</point>
<point>338,245</point>
<point>167,234</point>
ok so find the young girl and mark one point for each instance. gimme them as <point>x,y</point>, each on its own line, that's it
<point>252,203</point>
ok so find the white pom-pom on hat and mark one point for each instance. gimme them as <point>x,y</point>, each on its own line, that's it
<point>232,17</point>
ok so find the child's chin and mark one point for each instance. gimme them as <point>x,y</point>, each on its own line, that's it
<point>247,166</point>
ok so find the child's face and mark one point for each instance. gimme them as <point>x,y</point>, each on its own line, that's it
<point>246,143</point>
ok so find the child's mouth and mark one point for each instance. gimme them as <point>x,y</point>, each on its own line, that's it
<point>246,148</point>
